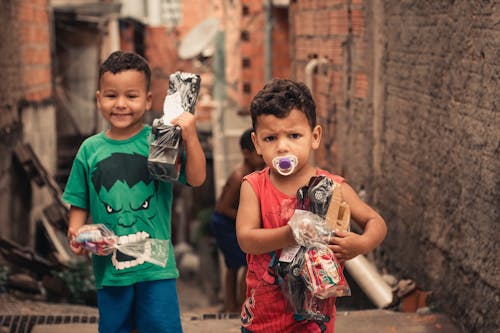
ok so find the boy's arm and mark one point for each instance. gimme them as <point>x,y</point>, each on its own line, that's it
<point>227,204</point>
<point>77,218</point>
<point>195,157</point>
<point>347,245</point>
<point>251,236</point>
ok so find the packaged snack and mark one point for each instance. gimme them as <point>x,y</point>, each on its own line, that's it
<point>310,274</point>
<point>99,240</point>
<point>166,146</point>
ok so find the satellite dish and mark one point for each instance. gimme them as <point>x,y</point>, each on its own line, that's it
<point>199,39</point>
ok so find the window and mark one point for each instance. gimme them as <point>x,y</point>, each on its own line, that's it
<point>247,87</point>
<point>245,36</point>
<point>245,11</point>
<point>246,62</point>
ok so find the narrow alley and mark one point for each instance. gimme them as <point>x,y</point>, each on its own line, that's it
<point>199,315</point>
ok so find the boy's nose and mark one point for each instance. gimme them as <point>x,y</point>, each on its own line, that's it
<point>282,146</point>
<point>120,102</point>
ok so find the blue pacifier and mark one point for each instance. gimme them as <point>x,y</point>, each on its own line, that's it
<point>285,164</point>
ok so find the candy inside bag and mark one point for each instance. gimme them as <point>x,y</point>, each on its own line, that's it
<point>310,275</point>
<point>323,274</point>
<point>95,238</point>
<point>99,240</point>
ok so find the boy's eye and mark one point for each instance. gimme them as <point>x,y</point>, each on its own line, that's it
<point>268,138</point>
<point>295,136</point>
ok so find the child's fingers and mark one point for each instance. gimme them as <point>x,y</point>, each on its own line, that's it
<point>341,233</point>
<point>76,248</point>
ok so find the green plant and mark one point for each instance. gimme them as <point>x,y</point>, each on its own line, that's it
<point>79,281</point>
<point>4,276</point>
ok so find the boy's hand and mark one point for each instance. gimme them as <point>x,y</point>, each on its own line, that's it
<point>346,245</point>
<point>75,247</point>
<point>187,122</point>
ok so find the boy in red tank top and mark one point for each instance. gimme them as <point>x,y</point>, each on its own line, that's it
<point>285,134</point>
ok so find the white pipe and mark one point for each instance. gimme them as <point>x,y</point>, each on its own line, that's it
<point>370,281</point>
<point>309,71</point>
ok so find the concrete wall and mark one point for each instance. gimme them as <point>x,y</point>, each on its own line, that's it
<point>440,154</point>
<point>407,93</point>
<point>26,111</point>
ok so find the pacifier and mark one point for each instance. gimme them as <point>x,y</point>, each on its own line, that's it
<point>285,164</point>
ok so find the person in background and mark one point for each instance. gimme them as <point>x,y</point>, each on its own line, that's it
<point>110,183</point>
<point>223,224</point>
<point>284,122</point>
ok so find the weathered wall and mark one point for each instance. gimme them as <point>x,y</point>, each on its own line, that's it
<point>26,110</point>
<point>407,92</point>
<point>440,154</point>
<point>332,35</point>
<point>10,125</point>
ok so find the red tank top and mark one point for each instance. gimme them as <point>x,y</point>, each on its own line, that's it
<point>266,308</point>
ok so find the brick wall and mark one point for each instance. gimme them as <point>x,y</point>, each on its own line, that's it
<point>25,95</point>
<point>407,94</point>
<point>332,32</point>
<point>34,35</point>
<point>440,154</point>
<point>10,93</point>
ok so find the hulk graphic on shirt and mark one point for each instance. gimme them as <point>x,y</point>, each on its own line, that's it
<point>128,199</point>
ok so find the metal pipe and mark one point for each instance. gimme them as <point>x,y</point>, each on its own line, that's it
<point>268,43</point>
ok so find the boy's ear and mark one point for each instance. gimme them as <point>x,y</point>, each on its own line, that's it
<point>254,140</point>
<point>97,95</point>
<point>149,101</point>
<point>316,136</point>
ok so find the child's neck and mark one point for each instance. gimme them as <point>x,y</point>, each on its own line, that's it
<point>290,184</point>
<point>123,134</point>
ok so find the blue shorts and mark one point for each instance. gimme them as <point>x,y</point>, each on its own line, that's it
<point>150,306</point>
<point>224,230</point>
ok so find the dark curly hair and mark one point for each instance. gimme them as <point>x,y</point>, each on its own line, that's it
<point>279,97</point>
<point>246,140</point>
<point>120,61</point>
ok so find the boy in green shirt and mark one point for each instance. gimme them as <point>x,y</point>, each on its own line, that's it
<point>110,183</point>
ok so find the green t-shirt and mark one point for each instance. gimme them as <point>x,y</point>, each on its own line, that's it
<point>110,179</point>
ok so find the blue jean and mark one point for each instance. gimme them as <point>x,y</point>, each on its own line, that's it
<point>150,306</point>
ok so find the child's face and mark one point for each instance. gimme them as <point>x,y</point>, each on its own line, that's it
<point>291,135</point>
<point>123,100</point>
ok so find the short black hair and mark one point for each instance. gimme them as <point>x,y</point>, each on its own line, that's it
<point>246,140</point>
<point>120,61</point>
<point>279,97</point>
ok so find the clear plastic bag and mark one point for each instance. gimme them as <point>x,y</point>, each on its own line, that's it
<point>99,240</point>
<point>310,275</point>
<point>323,274</point>
<point>166,146</point>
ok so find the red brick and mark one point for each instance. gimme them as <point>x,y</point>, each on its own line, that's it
<point>360,85</point>
<point>358,22</point>
<point>339,22</point>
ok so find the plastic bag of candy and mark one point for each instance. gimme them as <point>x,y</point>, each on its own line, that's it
<point>323,274</point>
<point>99,240</point>
<point>310,274</point>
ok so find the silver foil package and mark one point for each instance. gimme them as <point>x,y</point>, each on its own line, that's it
<point>166,146</point>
